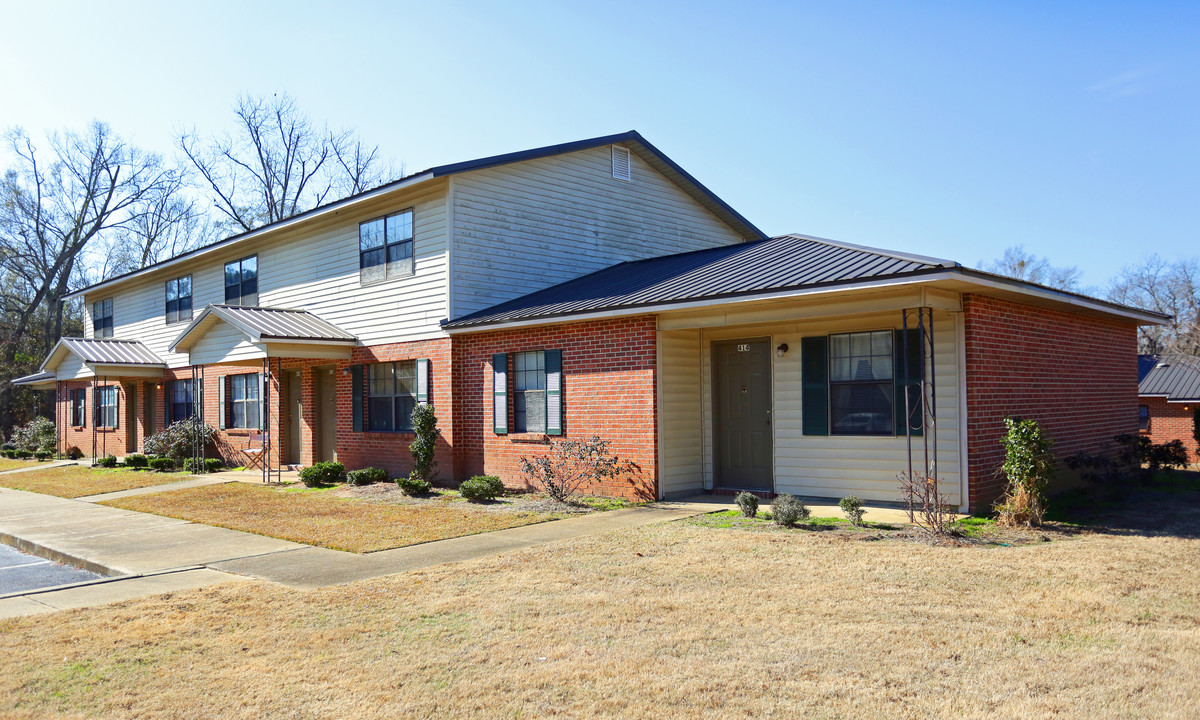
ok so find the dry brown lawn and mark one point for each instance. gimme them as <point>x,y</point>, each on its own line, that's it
<point>669,621</point>
<point>10,464</point>
<point>74,481</point>
<point>322,518</point>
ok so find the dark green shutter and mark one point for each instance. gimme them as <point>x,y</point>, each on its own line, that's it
<point>356,396</point>
<point>96,406</point>
<point>814,369</point>
<point>554,406</point>
<point>223,422</point>
<point>422,381</point>
<point>908,377</point>
<point>500,394</point>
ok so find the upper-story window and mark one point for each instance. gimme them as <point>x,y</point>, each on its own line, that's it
<point>241,281</point>
<point>179,299</point>
<point>385,247</point>
<point>102,319</point>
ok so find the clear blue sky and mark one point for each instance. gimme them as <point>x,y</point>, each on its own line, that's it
<point>948,129</point>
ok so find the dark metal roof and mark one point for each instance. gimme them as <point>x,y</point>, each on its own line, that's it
<point>267,324</point>
<point>780,263</point>
<point>108,351</point>
<point>1175,376</point>
<point>632,138</point>
<point>35,378</point>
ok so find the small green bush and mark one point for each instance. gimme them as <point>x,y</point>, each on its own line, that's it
<point>748,502</point>
<point>852,506</point>
<point>43,454</point>
<point>75,453</point>
<point>214,465</point>
<point>178,439</point>
<point>136,461</point>
<point>413,484</point>
<point>482,487</point>
<point>162,464</point>
<point>323,473</point>
<point>108,461</point>
<point>367,476</point>
<point>9,453</point>
<point>37,434</point>
<point>24,454</point>
<point>787,510</point>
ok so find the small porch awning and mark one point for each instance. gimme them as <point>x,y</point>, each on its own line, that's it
<point>74,358</point>
<point>37,381</point>
<point>231,333</point>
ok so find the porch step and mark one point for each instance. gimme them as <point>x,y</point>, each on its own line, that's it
<point>732,492</point>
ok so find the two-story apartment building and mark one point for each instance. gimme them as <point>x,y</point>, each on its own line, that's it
<point>591,288</point>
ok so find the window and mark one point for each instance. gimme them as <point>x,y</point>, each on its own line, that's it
<point>243,401</point>
<point>78,407</point>
<point>861,386</point>
<point>179,299</point>
<point>391,395</point>
<point>241,282</point>
<point>181,400</point>
<point>529,392</point>
<point>1144,417</point>
<point>102,319</point>
<point>385,247</point>
<point>106,406</point>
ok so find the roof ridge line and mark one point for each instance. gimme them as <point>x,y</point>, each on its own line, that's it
<point>908,257</point>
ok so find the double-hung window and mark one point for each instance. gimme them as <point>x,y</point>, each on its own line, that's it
<point>179,299</point>
<point>391,395</point>
<point>78,407</point>
<point>106,406</point>
<point>102,318</point>
<point>181,400</point>
<point>241,282</point>
<point>1144,417</point>
<point>861,387</point>
<point>243,401</point>
<point>385,247</point>
<point>529,392</point>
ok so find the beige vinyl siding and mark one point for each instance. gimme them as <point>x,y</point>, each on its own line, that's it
<point>224,343</point>
<point>72,368</point>
<point>525,226</point>
<point>680,417</point>
<point>834,466</point>
<point>312,266</point>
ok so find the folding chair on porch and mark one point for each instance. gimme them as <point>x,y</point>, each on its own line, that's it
<point>254,450</point>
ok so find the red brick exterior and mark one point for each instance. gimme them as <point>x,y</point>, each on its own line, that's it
<point>609,389</point>
<point>1172,421</point>
<point>1075,374</point>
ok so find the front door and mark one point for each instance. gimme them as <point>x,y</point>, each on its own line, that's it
<point>131,413</point>
<point>149,412</point>
<point>326,407</point>
<point>742,443</point>
<point>292,413</point>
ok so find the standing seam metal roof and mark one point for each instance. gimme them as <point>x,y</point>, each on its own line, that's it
<point>787,261</point>
<point>1173,375</point>
<point>269,324</point>
<point>111,351</point>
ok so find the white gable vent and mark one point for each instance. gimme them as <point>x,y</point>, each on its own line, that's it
<point>620,162</point>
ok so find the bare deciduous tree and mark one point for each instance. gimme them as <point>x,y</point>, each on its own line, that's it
<point>1167,287</point>
<point>1023,265</point>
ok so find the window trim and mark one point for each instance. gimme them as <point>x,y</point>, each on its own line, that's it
<point>368,396</point>
<point>102,407</point>
<point>105,330</point>
<point>79,407</point>
<point>388,274</point>
<point>873,382</point>
<point>246,402</point>
<point>520,419</point>
<point>170,403</point>
<point>179,318</point>
<point>241,299</point>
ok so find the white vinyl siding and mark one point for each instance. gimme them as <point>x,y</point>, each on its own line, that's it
<point>525,226</point>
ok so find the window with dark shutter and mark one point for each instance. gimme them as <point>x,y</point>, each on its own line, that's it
<point>391,395</point>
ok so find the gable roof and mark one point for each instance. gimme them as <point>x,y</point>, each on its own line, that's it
<point>631,139</point>
<point>264,324</point>
<point>1173,376</point>
<point>103,351</point>
<point>40,380</point>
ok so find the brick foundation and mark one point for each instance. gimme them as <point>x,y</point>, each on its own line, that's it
<point>1074,374</point>
<point>1172,421</point>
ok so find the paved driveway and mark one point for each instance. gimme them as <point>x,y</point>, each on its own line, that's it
<point>19,572</point>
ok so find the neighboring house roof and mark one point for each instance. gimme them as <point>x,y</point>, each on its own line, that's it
<point>265,324</point>
<point>104,351</point>
<point>1173,376</point>
<point>778,266</point>
<point>632,139</point>
<point>41,380</point>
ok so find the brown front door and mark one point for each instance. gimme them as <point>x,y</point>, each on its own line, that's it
<point>149,412</point>
<point>742,414</point>
<point>131,408</point>
<point>293,411</point>
<point>326,421</point>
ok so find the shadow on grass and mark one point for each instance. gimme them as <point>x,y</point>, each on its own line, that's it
<point>1167,504</point>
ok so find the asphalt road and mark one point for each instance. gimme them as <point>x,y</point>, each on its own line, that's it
<point>19,571</point>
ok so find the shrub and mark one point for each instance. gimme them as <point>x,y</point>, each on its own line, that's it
<point>323,473</point>
<point>1028,465</point>
<point>6,447</point>
<point>108,461</point>
<point>24,454</point>
<point>366,476</point>
<point>424,423</point>
<point>43,454</point>
<point>482,487</point>
<point>852,506</point>
<point>571,464</point>
<point>748,502</point>
<point>37,434</point>
<point>208,465</point>
<point>74,453</point>
<point>178,439</point>
<point>136,461</point>
<point>9,453</point>
<point>787,510</point>
<point>161,464</point>
<point>413,484</point>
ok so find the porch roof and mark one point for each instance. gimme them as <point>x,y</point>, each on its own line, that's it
<point>38,381</point>
<point>1173,376</point>
<point>103,352</point>
<point>265,325</point>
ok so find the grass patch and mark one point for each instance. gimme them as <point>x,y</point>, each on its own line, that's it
<point>73,481</point>
<point>10,464</point>
<point>316,517</point>
<point>604,503</point>
<point>763,523</point>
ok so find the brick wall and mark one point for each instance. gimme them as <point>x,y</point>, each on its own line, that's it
<point>1076,375</point>
<point>107,441</point>
<point>1172,421</point>
<point>609,390</point>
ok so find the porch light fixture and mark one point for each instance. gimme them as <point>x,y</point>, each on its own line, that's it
<point>781,350</point>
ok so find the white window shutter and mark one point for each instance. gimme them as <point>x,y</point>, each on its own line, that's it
<point>221,402</point>
<point>500,394</point>
<point>262,400</point>
<point>422,381</point>
<point>554,404</point>
<point>621,163</point>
